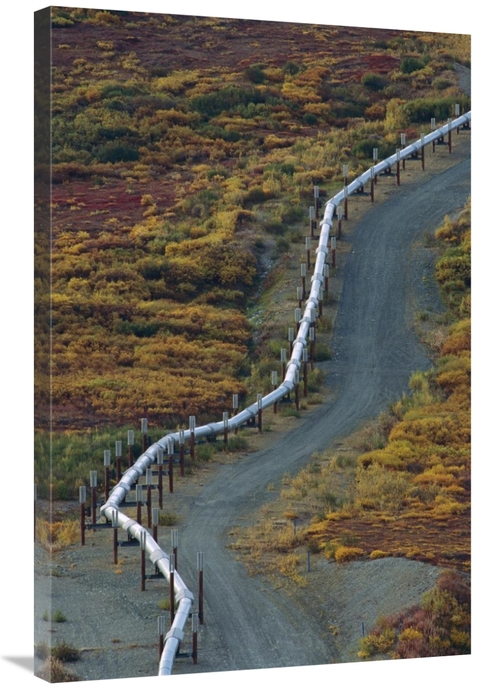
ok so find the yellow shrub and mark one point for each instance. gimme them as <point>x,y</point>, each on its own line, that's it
<point>410,634</point>
<point>377,554</point>
<point>345,553</point>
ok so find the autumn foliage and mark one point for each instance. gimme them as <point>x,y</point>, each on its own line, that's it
<point>439,626</point>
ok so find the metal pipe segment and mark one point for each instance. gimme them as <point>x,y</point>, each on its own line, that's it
<point>184,597</point>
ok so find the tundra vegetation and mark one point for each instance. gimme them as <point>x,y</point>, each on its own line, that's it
<point>184,152</point>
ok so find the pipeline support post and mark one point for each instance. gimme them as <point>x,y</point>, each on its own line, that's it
<point>192,426</point>
<point>346,171</point>
<point>159,463</point>
<point>174,542</point>
<point>138,499</point>
<point>130,442</point>
<point>194,628</point>
<point>144,434</point>
<point>182,439</point>
<point>312,221</point>
<point>142,540</point>
<point>172,592</point>
<point>82,498</point>
<point>303,274</point>
<point>149,481</point>
<point>161,636</point>
<point>118,458</point>
<point>170,452</point>
<point>199,562</point>
<point>107,464</point>
<point>235,410</point>
<point>274,382</point>
<point>114,524</point>
<point>93,495</point>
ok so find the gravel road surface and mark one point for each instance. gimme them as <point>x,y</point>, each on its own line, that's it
<point>249,623</point>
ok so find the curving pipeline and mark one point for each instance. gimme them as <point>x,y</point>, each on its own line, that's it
<point>183,596</point>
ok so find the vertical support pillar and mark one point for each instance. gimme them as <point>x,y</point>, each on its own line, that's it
<point>398,166</point>
<point>457,114</point>
<point>422,150</point>
<point>114,524</point>
<point>296,383</point>
<point>403,144</point>
<point>174,540</point>
<point>312,340</point>
<point>156,521</point>
<point>305,357</point>
<point>93,495</point>
<point>144,434</point>
<point>321,295</point>
<point>159,462</point>
<point>283,364</point>
<point>130,442</point>
<point>225,421</point>
<point>433,127</point>
<point>298,316</point>
<point>192,426</point>
<point>235,410</point>
<point>259,412</point>
<point>375,160</point>
<point>161,635</point>
<point>182,440</point>
<point>308,252</point>
<point>172,592</point>
<point>199,562</point>
<point>291,337</point>
<point>170,455</point>
<point>149,505</point>
<point>372,184</point>
<point>339,221</point>
<point>82,498</point>
<point>303,274</point>
<point>194,628</point>
<point>142,540</point>
<point>107,464</point>
<point>300,296</point>
<point>138,499</point>
<point>334,251</point>
<point>449,135</point>
<point>312,221</point>
<point>316,202</point>
<point>326,275</point>
<point>274,382</point>
<point>118,458</point>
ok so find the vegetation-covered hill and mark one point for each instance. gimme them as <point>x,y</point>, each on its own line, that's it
<point>184,154</point>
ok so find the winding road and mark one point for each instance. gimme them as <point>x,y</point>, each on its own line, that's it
<point>376,351</point>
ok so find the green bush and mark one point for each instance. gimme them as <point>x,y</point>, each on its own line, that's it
<point>422,109</point>
<point>255,74</point>
<point>372,81</point>
<point>114,153</point>
<point>411,64</point>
